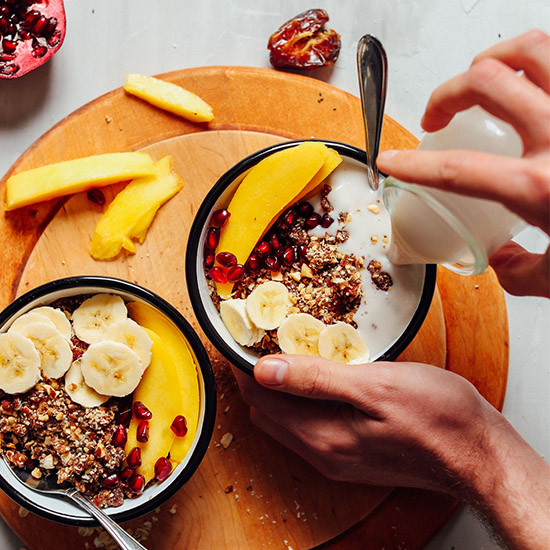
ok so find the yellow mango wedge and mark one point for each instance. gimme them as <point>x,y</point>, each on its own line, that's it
<point>72,176</point>
<point>169,97</point>
<point>160,382</point>
<point>131,212</point>
<point>267,190</point>
<point>185,393</point>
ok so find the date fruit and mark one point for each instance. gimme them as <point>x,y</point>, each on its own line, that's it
<point>304,43</point>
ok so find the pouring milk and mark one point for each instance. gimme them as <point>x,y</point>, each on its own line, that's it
<point>434,226</point>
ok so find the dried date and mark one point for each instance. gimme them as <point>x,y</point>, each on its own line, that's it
<point>303,42</point>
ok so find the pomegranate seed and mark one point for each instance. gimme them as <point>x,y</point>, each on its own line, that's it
<point>326,221</point>
<point>209,259</point>
<point>273,263</point>
<point>9,69</point>
<point>179,425</point>
<point>219,217</point>
<point>136,483</point>
<point>289,256</point>
<point>226,259</point>
<point>313,221</point>
<point>39,25</point>
<point>253,263</point>
<point>275,242</point>
<point>134,458</point>
<point>12,31</point>
<point>302,251</point>
<point>6,57</point>
<point>124,416</point>
<point>30,465</point>
<point>4,24</point>
<point>119,437</point>
<point>38,50</point>
<point>142,432</point>
<point>305,209</point>
<point>111,482</point>
<point>264,249</point>
<point>235,273</point>
<point>141,411</point>
<point>50,27</point>
<point>24,34</point>
<point>31,18</point>
<point>163,467</point>
<point>4,10</point>
<point>290,217</point>
<point>54,39</point>
<point>126,474</point>
<point>9,46</point>
<point>216,274</point>
<point>212,238</point>
<point>96,196</point>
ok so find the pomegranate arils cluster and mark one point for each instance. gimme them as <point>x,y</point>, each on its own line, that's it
<point>227,270</point>
<point>275,250</point>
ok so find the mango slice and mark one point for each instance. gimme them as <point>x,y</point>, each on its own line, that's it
<point>266,191</point>
<point>132,211</point>
<point>185,394</point>
<point>169,97</point>
<point>160,382</point>
<point>73,176</point>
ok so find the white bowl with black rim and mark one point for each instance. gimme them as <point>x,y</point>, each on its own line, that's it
<point>63,510</point>
<point>419,280</point>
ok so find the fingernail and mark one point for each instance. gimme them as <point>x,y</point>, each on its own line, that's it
<point>272,371</point>
<point>387,155</point>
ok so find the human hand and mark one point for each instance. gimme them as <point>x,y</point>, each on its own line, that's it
<point>404,424</point>
<point>381,423</point>
<point>522,185</point>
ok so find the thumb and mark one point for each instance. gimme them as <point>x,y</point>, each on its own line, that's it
<point>310,376</point>
<point>522,273</point>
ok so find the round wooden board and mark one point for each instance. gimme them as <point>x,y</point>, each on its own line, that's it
<point>275,495</point>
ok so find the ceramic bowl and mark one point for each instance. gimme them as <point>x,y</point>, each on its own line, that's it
<point>352,167</point>
<point>62,510</point>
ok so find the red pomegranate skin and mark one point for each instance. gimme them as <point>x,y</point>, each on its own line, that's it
<point>30,35</point>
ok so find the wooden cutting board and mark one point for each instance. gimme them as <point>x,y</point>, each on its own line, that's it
<point>255,493</point>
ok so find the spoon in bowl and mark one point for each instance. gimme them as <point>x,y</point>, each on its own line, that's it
<point>372,68</point>
<point>48,485</point>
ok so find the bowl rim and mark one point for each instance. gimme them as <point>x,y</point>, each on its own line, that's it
<point>204,364</point>
<point>194,254</point>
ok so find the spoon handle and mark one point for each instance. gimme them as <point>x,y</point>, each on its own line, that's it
<point>122,538</point>
<point>372,67</point>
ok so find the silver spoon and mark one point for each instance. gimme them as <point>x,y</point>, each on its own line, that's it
<point>372,67</point>
<point>49,485</point>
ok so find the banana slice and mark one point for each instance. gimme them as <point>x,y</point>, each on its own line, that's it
<point>111,368</point>
<point>268,304</point>
<point>342,343</point>
<point>27,319</point>
<point>94,315</point>
<point>55,351</point>
<point>235,318</point>
<point>57,317</point>
<point>19,363</point>
<point>79,391</point>
<point>129,333</point>
<point>299,333</point>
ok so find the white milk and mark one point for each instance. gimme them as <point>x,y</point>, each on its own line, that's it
<point>434,226</point>
<point>383,315</point>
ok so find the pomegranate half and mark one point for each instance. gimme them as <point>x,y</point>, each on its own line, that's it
<point>31,31</point>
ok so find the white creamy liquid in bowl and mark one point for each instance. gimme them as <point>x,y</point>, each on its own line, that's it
<point>383,315</point>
